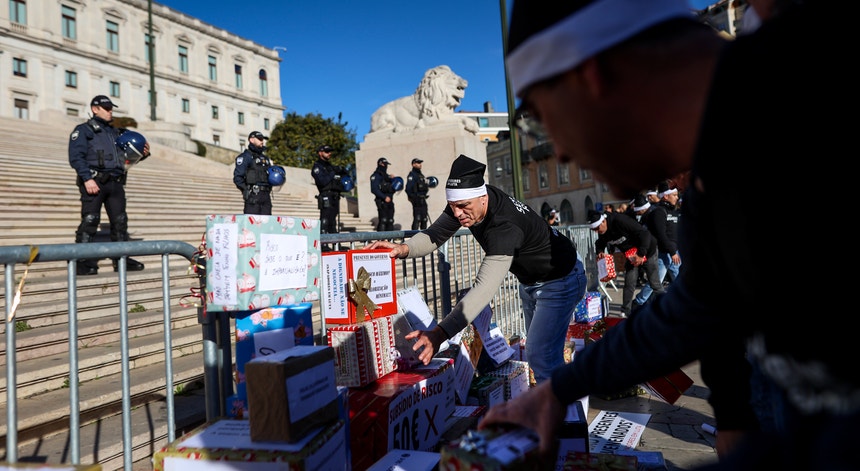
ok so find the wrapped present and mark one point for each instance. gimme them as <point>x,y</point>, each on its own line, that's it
<point>262,332</point>
<point>606,269</point>
<point>291,392</point>
<point>487,391</point>
<point>669,388</point>
<point>370,286</point>
<point>515,374</point>
<point>632,253</point>
<point>229,441</point>
<point>492,449</point>
<point>256,261</point>
<point>403,410</point>
<point>334,297</point>
<point>411,460</point>
<point>583,461</point>
<point>363,351</point>
<point>463,419</point>
<point>589,308</point>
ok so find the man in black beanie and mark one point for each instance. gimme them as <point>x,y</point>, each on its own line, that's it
<point>637,92</point>
<point>515,238</point>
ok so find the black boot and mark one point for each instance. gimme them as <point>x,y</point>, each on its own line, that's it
<point>86,267</point>
<point>130,265</point>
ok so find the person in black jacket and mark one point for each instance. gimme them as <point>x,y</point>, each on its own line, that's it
<point>596,78</point>
<point>416,190</point>
<point>619,232</point>
<point>662,222</point>
<point>327,178</point>
<point>251,176</point>
<point>101,176</point>
<point>383,192</point>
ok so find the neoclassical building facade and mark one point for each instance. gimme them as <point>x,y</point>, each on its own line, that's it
<point>209,84</point>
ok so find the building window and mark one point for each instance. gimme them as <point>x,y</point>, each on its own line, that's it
<point>584,175</point>
<point>543,177</point>
<point>69,23</point>
<point>114,89</point>
<point>186,105</point>
<point>241,118</point>
<point>147,47</point>
<point>526,185</point>
<point>18,11</point>
<point>22,109</point>
<point>183,59</point>
<point>113,37</point>
<point>72,112</point>
<point>71,79</point>
<point>19,67</point>
<point>264,83</point>
<point>213,68</point>
<point>216,139</point>
<point>564,174</point>
<point>214,112</point>
<point>483,122</point>
<point>238,71</point>
<point>241,144</point>
<point>266,124</point>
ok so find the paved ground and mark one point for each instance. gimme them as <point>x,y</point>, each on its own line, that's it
<point>674,430</point>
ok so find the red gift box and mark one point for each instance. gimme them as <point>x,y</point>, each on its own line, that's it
<point>632,253</point>
<point>606,269</point>
<point>363,351</point>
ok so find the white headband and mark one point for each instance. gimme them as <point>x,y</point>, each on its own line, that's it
<point>596,223</point>
<point>460,194</point>
<point>643,207</point>
<point>583,34</point>
<point>668,192</point>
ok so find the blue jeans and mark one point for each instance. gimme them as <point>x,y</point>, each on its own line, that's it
<point>664,265</point>
<point>548,308</point>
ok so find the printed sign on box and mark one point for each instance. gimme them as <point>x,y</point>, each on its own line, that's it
<point>381,290</point>
<point>255,261</point>
<point>334,298</point>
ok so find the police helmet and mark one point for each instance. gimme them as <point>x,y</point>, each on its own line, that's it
<point>130,145</point>
<point>277,175</point>
<point>347,183</point>
<point>396,183</point>
<point>432,182</point>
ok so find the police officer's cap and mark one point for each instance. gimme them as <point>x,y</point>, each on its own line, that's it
<point>258,135</point>
<point>103,101</point>
<point>383,161</point>
<point>325,148</point>
<point>416,160</point>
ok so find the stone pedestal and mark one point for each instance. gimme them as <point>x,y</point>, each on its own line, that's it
<point>436,145</point>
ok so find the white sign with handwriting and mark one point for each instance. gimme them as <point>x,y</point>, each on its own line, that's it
<point>283,261</point>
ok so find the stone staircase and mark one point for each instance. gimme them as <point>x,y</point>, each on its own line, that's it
<point>168,196</point>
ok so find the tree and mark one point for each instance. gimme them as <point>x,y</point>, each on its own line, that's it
<point>293,142</point>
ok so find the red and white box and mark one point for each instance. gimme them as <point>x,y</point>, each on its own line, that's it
<point>363,351</point>
<point>382,291</point>
<point>403,410</point>
<point>606,269</point>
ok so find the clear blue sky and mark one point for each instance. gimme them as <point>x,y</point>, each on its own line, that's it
<point>348,57</point>
<point>353,57</point>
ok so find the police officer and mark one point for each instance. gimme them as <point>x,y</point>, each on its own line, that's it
<point>383,192</point>
<point>327,178</point>
<point>251,176</point>
<point>101,176</point>
<point>416,190</point>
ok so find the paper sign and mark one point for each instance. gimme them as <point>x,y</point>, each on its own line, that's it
<point>494,341</point>
<point>378,266</point>
<point>334,299</point>
<point>268,342</point>
<point>221,269</point>
<point>615,431</point>
<point>415,309</point>
<point>283,261</point>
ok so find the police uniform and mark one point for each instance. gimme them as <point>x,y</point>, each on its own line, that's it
<point>416,190</point>
<point>327,178</point>
<point>251,176</point>
<point>94,156</point>
<point>381,187</point>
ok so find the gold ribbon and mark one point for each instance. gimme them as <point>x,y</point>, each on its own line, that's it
<point>34,251</point>
<point>358,294</point>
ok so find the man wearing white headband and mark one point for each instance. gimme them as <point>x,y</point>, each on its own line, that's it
<point>514,238</point>
<point>636,92</point>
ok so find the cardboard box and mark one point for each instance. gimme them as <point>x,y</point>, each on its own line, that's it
<point>225,445</point>
<point>492,449</point>
<point>407,460</point>
<point>573,435</point>
<point>291,392</point>
<point>463,419</point>
<point>262,332</point>
<point>380,294</point>
<point>515,374</point>
<point>464,371</point>
<point>402,410</point>
<point>255,261</point>
<point>363,351</point>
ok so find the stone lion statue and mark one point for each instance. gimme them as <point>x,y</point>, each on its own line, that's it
<point>433,102</point>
